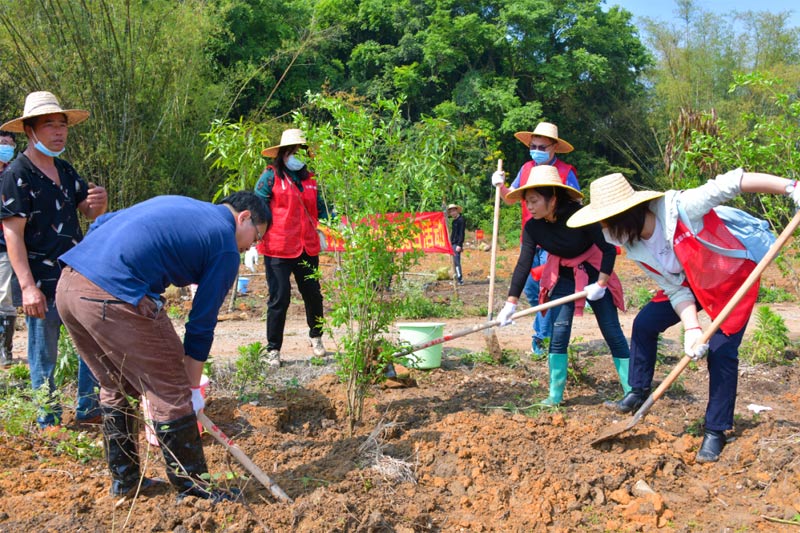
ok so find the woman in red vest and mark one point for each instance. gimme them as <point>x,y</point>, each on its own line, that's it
<point>647,225</point>
<point>291,246</point>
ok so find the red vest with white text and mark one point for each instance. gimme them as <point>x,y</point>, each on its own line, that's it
<point>294,220</point>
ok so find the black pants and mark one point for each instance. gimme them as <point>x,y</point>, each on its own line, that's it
<point>457,266</point>
<point>280,293</point>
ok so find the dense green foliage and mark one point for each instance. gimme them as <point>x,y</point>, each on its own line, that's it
<point>168,83</point>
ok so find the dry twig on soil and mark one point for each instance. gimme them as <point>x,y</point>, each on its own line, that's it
<point>392,469</point>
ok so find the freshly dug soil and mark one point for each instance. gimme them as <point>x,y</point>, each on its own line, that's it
<point>462,450</point>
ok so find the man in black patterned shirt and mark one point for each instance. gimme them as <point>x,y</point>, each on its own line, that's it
<point>41,196</point>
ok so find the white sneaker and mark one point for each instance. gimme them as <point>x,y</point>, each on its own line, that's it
<point>274,358</point>
<point>317,347</point>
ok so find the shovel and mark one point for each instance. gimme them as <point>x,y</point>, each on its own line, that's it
<point>492,323</point>
<point>492,344</point>
<point>621,427</point>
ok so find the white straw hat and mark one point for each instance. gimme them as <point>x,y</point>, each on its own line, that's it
<point>609,196</point>
<point>543,176</point>
<point>455,206</point>
<point>43,103</point>
<point>545,129</point>
<point>289,137</point>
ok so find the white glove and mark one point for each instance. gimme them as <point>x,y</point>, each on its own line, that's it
<point>796,194</point>
<point>251,258</point>
<point>691,336</point>
<point>498,178</point>
<point>504,317</point>
<point>594,292</point>
<point>198,402</point>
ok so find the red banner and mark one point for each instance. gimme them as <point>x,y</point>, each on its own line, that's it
<point>432,236</point>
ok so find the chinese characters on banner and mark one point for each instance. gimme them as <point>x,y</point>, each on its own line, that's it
<point>432,237</point>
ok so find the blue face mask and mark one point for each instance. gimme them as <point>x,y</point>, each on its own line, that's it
<point>292,163</point>
<point>45,150</point>
<point>6,153</point>
<point>540,156</point>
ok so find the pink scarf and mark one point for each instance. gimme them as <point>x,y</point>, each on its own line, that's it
<point>594,257</point>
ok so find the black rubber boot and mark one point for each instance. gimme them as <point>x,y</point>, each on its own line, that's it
<point>7,341</point>
<point>713,443</point>
<point>186,463</point>
<point>121,432</point>
<point>631,402</point>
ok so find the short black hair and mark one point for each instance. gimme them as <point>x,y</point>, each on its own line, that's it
<point>4,133</point>
<point>249,201</point>
<point>563,199</point>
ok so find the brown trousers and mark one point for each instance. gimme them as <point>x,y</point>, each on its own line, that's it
<point>130,349</point>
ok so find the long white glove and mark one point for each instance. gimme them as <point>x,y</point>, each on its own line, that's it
<point>796,194</point>
<point>251,258</point>
<point>691,336</point>
<point>504,316</point>
<point>198,402</point>
<point>498,178</point>
<point>594,292</point>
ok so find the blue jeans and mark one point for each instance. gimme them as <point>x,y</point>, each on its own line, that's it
<point>604,312</point>
<point>542,325</point>
<point>723,361</point>
<point>88,400</point>
<point>42,357</point>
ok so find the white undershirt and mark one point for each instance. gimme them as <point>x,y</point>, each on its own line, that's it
<point>662,251</point>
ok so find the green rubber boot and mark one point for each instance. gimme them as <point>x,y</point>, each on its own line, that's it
<point>558,378</point>
<point>622,372</point>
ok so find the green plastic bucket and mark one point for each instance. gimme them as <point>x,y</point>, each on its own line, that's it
<point>418,333</point>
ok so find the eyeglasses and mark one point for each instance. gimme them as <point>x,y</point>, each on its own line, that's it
<point>258,235</point>
<point>541,147</point>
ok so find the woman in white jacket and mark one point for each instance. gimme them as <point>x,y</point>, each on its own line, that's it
<point>691,278</point>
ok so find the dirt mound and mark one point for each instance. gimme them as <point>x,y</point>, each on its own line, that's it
<point>466,449</point>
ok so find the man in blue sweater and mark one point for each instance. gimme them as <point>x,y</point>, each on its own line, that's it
<point>109,297</point>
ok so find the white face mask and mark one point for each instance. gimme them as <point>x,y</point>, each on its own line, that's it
<point>612,240</point>
<point>292,163</point>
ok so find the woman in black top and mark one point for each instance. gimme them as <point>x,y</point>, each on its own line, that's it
<point>579,259</point>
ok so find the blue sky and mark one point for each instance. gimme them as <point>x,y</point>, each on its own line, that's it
<point>664,10</point>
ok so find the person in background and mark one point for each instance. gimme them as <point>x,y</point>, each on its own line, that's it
<point>543,144</point>
<point>646,224</point>
<point>110,299</point>
<point>292,245</point>
<point>10,294</point>
<point>577,260</point>
<point>457,231</point>
<point>42,195</point>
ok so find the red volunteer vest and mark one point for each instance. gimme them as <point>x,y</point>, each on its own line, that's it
<point>714,278</point>
<point>563,171</point>
<point>294,227</point>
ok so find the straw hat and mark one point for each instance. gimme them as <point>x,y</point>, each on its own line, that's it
<point>543,176</point>
<point>455,206</point>
<point>610,195</point>
<point>289,137</point>
<point>43,103</point>
<point>545,129</point>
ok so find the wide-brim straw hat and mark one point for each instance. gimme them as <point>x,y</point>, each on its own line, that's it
<point>455,206</point>
<point>43,103</point>
<point>543,176</point>
<point>545,129</point>
<point>610,195</point>
<point>289,137</point>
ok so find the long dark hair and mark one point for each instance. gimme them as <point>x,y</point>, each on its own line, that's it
<point>565,204</point>
<point>627,226</point>
<point>280,165</point>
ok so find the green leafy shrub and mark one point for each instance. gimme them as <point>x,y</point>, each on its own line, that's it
<point>639,297</point>
<point>67,366</point>
<point>769,340</point>
<point>251,366</point>
<point>772,295</point>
